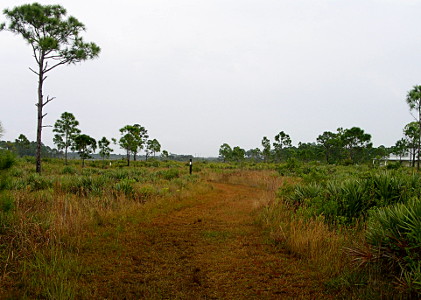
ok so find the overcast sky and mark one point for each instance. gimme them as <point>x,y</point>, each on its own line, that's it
<point>200,73</point>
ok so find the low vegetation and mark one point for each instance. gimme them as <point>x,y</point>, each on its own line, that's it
<point>357,227</point>
<point>360,226</point>
<point>45,220</point>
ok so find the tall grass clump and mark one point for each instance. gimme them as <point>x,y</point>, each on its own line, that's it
<point>51,274</point>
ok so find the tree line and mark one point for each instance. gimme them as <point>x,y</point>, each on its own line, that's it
<point>352,145</point>
<point>349,145</point>
<point>68,136</point>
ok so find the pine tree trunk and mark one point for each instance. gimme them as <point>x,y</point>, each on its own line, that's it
<point>419,136</point>
<point>65,147</point>
<point>40,116</point>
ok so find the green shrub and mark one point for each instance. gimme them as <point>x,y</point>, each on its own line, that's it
<point>68,170</point>
<point>37,182</point>
<point>125,186</point>
<point>395,235</point>
<point>393,165</point>
<point>304,194</point>
<point>169,174</point>
<point>146,191</point>
<point>354,199</point>
<point>84,185</point>
<point>6,203</point>
<point>7,159</point>
<point>350,199</point>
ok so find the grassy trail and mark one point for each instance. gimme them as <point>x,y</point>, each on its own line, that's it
<point>208,248</point>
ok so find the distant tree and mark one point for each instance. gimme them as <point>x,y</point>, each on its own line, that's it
<point>1,130</point>
<point>66,130</point>
<point>152,147</point>
<point>400,148</point>
<point>413,99</point>
<point>104,149</point>
<point>355,140</point>
<point>254,154</point>
<point>381,152</point>
<point>331,145</point>
<point>22,145</point>
<point>282,140</point>
<point>85,146</point>
<point>164,154</point>
<point>266,149</point>
<point>309,151</point>
<point>225,152</point>
<point>55,41</point>
<point>412,136</point>
<point>238,154</point>
<point>133,140</point>
<point>8,145</point>
<point>126,142</point>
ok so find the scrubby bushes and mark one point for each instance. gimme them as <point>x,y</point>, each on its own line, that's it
<point>394,233</point>
<point>346,201</point>
<point>7,159</point>
<point>381,207</point>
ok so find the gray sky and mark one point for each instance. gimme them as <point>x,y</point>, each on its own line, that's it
<point>199,73</point>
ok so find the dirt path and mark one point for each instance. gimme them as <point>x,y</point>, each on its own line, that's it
<point>210,250</point>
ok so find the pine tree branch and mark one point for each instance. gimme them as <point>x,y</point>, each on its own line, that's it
<point>48,100</point>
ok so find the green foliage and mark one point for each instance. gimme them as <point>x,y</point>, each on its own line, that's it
<point>238,154</point>
<point>6,203</point>
<point>152,147</point>
<point>66,130</point>
<point>22,145</point>
<point>346,201</point>
<point>104,149</point>
<point>133,139</point>
<point>6,215</point>
<point>68,170</point>
<point>7,159</point>
<point>55,41</point>
<point>85,146</point>
<point>395,235</point>
<point>355,140</point>
<point>225,152</point>
<point>37,182</point>
<point>125,186</point>
<point>84,185</point>
<point>394,165</point>
<point>51,274</point>
<point>169,174</point>
<point>266,152</point>
<point>146,192</point>
<point>46,29</point>
<point>282,140</point>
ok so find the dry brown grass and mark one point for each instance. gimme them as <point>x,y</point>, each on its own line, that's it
<point>50,226</point>
<point>264,179</point>
<point>58,240</point>
<point>311,240</point>
<point>188,241</point>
